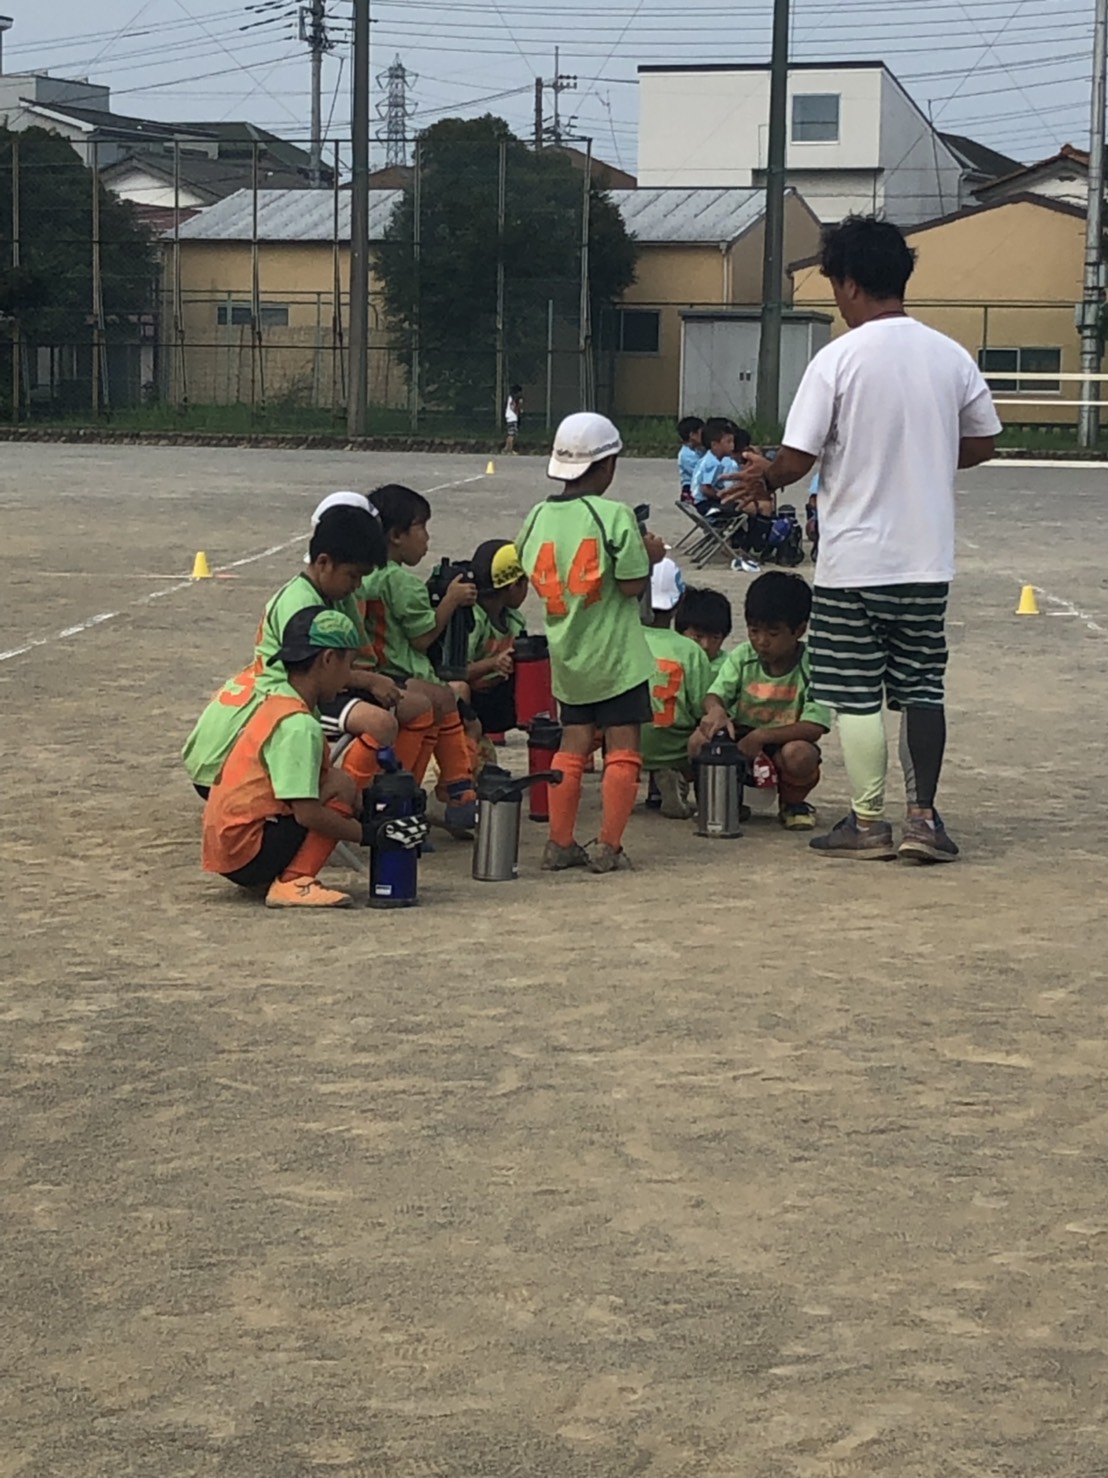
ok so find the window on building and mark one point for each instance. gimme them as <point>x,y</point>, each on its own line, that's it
<point>816,118</point>
<point>238,315</point>
<point>998,362</point>
<point>632,331</point>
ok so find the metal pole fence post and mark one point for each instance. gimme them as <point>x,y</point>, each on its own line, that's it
<point>584,377</point>
<point>549,363</point>
<point>1092,327</point>
<point>17,329</point>
<point>95,366</point>
<point>359,226</point>
<point>417,297</point>
<point>338,372</point>
<point>501,212</point>
<point>773,262</point>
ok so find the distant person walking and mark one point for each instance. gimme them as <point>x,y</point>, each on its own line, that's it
<point>512,413</point>
<point>893,409</point>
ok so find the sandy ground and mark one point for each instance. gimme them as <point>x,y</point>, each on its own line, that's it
<point>744,1163</point>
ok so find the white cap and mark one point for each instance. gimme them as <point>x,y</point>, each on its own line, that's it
<point>667,585</point>
<point>342,500</point>
<point>581,440</point>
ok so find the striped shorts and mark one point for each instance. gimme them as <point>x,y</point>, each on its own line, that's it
<point>882,645</point>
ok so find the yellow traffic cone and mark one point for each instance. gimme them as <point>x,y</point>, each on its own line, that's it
<point>1028,605</point>
<point>201,569</point>
<point>490,470</point>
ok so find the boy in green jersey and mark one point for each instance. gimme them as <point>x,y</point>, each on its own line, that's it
<point>346,544</point>
<point>589,565</point>
<point>402,625</point>
<point>682,677</point>
<point>762,696</point>
<point>704,616</point>
<point>501,590</point>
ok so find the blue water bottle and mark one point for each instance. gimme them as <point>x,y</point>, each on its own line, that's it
<point>393,827</point>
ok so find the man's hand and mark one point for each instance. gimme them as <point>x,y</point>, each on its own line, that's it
<point>716,719</point>
<point>753,743</point>
<point>655,548</point>
<point>748,484</point>
<point>460,592</point>
<point>383,689</point>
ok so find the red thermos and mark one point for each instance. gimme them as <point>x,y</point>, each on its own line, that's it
<point>534,691</point>
<point>543,743</point>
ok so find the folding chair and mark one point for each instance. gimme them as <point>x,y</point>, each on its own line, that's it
<point>709,537</point>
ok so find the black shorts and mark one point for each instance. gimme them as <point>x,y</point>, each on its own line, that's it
<point>282,838</point>
<point>333,714</point>
<point>495,708</point>
<point>632,707</point>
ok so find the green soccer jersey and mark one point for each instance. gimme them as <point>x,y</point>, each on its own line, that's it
<point>756,699</point>
<point>681,680</point>
<point>715,664</point>
<point>213,738</point>
<point>397,610</point>
<point>297,595</point>
<point>575,550</point>
<point>489,640</point>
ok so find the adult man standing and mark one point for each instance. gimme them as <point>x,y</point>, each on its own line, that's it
<point>893,409</point>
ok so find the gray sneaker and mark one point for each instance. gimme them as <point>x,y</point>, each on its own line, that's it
<point>873,843</point>
<point>606,858</point>
<point>560,859</point>
<point>674,790</point>
<point>925,841</point>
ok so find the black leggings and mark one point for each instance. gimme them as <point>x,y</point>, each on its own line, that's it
<point>282,838</point>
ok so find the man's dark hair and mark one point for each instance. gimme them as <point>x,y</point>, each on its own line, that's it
<point>872,253</point>
<point>778,599</point>
<point>305,664</point>
<point>704,610</point>
<point>350,536</point>
<point>718,427</point>
<point>516,390</point>
<point>399,507</point>
<point>686,427</point>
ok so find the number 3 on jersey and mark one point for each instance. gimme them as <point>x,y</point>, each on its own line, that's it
<point>584,578</point>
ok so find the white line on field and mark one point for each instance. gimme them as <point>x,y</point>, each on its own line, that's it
<point>179,585</point>
<point>1067,608</point>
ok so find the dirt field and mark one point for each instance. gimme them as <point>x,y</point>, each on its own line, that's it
<point>741,1164</point>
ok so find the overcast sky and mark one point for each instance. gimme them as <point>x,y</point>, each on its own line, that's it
<point>1011,73</point>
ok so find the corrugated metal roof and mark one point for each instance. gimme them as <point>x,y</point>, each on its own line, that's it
<point>664,215</point>
<point>288,215</point>
<point>656,216</point>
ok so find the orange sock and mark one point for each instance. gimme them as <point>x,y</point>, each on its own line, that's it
<point>453,751</point>
<point>564,800</point>
<point>360,760</point>
<point>415,744</point>
<point>619,790</point>
<point>314,854</point>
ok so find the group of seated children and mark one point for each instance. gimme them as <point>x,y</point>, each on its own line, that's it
<point>342,669</point>
<point>708,463</point>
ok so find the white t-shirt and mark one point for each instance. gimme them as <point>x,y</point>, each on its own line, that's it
<point>511,412</point>
<point>885,407</point>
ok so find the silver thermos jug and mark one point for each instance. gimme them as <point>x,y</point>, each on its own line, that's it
<point>499,810</point>
<point>718,788</point>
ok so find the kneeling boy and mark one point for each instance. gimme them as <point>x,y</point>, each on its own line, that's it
<point>762,695</point>
<point>278,808</point>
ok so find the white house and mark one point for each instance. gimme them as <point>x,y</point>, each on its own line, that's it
<point>857,141</point>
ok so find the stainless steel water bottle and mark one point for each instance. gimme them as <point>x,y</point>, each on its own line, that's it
<point>499,811</point>
<point>718,789</point>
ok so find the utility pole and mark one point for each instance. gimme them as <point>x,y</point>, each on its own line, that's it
<point>540,86</point>
<point>359,226</point>
<point>773,262</point>
<point>561,84</point>
<point>6,23</point>
<point>1088,418</point>
<point>394,113</point>
<point>313,31</point>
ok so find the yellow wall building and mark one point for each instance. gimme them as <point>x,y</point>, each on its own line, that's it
<point>1003,281</point>
<point>697,249</point>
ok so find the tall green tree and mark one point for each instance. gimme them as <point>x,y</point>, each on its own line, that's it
<point>50,294</point>
<point>449,294</point>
